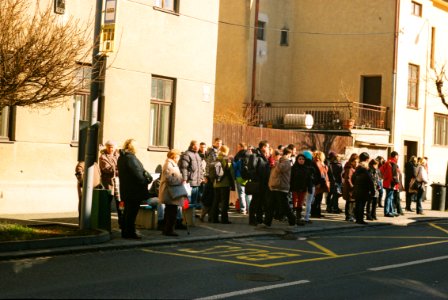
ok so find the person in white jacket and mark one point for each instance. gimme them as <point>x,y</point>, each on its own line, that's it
<point>422,178</point>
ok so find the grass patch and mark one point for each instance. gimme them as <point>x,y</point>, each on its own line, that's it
<point>17,232</point>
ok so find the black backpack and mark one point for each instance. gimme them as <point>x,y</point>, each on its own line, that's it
<point>248,167</point>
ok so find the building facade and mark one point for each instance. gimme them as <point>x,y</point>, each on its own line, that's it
<point>159,90</point>
<point>381,54</point>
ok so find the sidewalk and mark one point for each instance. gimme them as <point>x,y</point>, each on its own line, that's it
<point>202,231</point>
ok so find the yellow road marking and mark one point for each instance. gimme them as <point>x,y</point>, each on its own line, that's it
<point>438,227</point>
<point>382,237</point>
<point>277,248</point>
<point>324,250</point>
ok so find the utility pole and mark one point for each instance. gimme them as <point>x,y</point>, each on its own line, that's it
<point>91,146</point>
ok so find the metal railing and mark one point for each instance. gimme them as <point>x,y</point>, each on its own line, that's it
<point>326,115</point>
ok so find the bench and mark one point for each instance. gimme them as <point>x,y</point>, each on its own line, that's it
<point>147,215</point>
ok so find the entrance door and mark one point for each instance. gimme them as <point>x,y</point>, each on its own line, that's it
<point>410,148</point>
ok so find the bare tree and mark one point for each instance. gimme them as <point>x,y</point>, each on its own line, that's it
<point>39,51</point>
<point>440,78</point>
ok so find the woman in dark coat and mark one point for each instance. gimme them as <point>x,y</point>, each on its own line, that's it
<point>134,180</point>
<point>301,184</point>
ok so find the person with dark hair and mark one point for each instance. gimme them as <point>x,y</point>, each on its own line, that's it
<point>381,162</point>
<point>391,183</point>
<point>190,165</point>
<point>347,187</point>
<point>410,171</point>
<point>323,184</point>
<point>335,177</point>
<point>372,202</point>
<point>260,164</point>
<point>279,184</point>
<point>363,187</point>
<point>301,184</point>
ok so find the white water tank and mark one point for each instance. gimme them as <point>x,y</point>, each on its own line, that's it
<point>304,121</point>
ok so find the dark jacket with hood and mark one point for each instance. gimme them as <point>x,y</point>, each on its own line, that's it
<point>133,177</point>
<point>190,165</point>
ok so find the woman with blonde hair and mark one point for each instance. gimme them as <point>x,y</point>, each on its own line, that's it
<point>171,176</point>
<point>134,180</point>
<point>323,186</point>
<point>222,188</point>
<point>422,179</point>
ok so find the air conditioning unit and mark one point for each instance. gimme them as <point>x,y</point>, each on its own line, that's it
<point>302,121</point>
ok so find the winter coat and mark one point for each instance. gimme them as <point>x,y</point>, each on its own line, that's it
<point>374,173</point>
<point>301,178</point>
<point>422,175</point>
<point>262,168</point>
<point>190,165</point>
<point>363,183</point>
<point>108,167</point>
<point>227,179</point>
<point>133,182</point>
<point>335,172</point>
<point>347,187</point>
<point>410,171</point>
<point>280,177</point>
<point>390,174</point>
<point>170,176</point>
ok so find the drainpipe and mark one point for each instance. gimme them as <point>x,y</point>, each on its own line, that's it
<point>426,88</point>
<point>394,75</point>
<point>254,59</point>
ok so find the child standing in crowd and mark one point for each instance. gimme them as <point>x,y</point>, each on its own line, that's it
<point>371,204</point>
<point>347,188</point>
<point>301,184</point>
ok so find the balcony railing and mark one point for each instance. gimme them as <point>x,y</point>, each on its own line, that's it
<point>325,115</point>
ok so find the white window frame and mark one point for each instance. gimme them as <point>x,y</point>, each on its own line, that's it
<point>441,130</point>
<point>161,112</point>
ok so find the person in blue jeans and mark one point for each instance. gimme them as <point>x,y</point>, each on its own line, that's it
<point>390,183</point>
<point>243,198</point>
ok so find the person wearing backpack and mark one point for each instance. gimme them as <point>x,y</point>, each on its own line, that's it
<point>239,161</point>
<point>259,169</point>
<point>279,185</point>
<point>222,183</point>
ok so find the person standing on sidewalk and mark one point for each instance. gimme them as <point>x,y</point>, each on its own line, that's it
<point>381,162</point>
<point>322,187</point>
<point>279,184</point>
<point>301,184</point>
<point>347,187</point>
<point>134,181</point>
<point>241,157</point>
<point>109,175</point>
<point>422,178</point>
<point>190,165</point>
<point>371,204</point>
<point>335,176</point>
<point>363,188</point>
<point>410,171</point>
<point>391,183</point>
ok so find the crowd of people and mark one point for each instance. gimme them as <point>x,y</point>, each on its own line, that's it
<point>270,183</point>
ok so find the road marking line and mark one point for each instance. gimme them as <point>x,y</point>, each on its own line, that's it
<point>382,237</point>
<point>438,227</point>
<point>325,250</point>
<point>409,263</point>
<point>254,290</point>
<point>272,247</point>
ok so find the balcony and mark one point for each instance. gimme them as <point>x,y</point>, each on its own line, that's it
<point>316,116</point>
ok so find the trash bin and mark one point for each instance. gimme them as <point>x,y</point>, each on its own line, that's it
<point>100,215</point>
<point>438,196</point>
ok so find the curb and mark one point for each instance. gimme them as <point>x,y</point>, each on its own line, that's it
<point>95,243</point>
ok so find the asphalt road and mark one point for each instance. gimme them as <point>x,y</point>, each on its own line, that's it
<point>367,263</point>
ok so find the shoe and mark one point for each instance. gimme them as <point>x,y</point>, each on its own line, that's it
<point>362,222</point>
<point>351,219</point>
<point>375,218</point>
<point>370,218</point>
<point>401,214</point>
<point>389,215</point>
<point>420,213</point>
<point>379,205</point>
<point>131,236</point>
<point>409,209</point>
<point>253,223</point>
<point>308,222</point>
<point>170,233</point>
<point>300,223</point>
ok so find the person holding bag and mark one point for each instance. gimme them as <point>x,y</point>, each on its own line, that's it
<point>171,192</point>
<point>422,179</point>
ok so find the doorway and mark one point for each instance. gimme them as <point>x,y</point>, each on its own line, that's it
<point>410,148</point>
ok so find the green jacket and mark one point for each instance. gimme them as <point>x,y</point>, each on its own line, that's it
<point>227,180</point>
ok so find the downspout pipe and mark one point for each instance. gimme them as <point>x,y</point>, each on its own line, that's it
<point>394,74</point>
<point>254,58</point>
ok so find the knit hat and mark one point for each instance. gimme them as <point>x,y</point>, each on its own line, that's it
<point>308,155</point>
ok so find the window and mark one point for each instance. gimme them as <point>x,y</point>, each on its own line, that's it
<point>81,100</point>
<point>169,5</point>
<point>261,30</point>
<point>162,98</point>
<point>440,130</point>
<point>59,6</point>
<point>4,124</point>
<point>284,37</point>
<point>413,86</point>
<point>416,9</point>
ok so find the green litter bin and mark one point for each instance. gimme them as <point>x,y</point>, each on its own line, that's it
<point>100,216</point>
<point>438,196</point>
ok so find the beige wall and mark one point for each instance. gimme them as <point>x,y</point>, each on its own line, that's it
<point>37,173</point>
